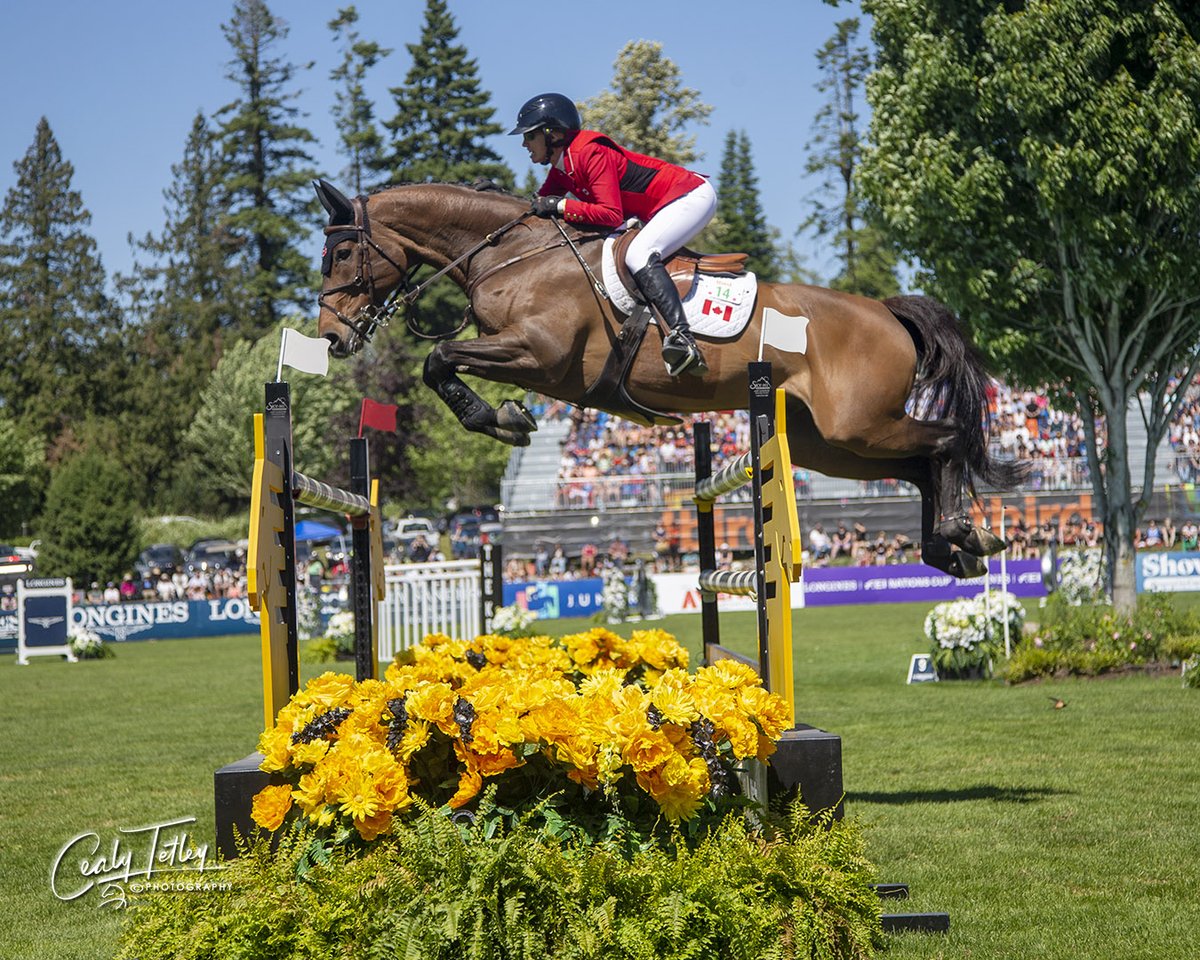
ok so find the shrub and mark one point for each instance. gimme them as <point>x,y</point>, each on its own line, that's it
<point>88,528</point>
<point>442,892</point>
<point>1091,640</point>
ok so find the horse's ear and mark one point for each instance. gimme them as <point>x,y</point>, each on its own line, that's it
<point>335,203</point>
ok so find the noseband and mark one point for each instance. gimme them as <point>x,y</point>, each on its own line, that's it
<point>372,315</point>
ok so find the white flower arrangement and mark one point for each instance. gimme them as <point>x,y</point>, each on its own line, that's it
<point>1190,672</point>
<point>87,644</point>
<point>513,621</point>
<point>1081,576</point>
<point>615,596</point>
<point>966,634</point>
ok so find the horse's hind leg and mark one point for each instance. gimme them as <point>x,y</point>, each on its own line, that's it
<point>953,522</point>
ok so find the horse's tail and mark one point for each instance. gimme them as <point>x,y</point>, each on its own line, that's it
<point>951,368</point>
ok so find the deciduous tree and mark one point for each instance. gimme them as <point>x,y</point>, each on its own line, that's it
<point>1043,163</point>
<point>647,108</point>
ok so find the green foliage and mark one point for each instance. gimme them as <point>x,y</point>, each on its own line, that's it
<point>57,363</point>
<point>87,528</point>
<point>359,139</point>
<point>220,437</point>
<point>1042,161</point>
<point>646,108</point>
<point>181,306</point>
<point>438,890</point>
<point>22,476</point>
<point>1090,640</point>
<point>443,119</point>
<point>868,263</point>
<point>740,224</point>
<point>268,172</point>
<point>184,531</point>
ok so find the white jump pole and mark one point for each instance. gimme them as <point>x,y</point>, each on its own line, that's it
<point>1004,583</point>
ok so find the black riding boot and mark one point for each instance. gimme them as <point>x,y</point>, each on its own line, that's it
<point>679,350</point>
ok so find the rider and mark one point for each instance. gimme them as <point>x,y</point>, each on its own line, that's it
<point>608,184</point>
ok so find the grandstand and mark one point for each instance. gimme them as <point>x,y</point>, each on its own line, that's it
<point>590,477</point>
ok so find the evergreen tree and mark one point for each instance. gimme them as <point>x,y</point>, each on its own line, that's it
<point>183,303</point>
<point>54,315</point>
<point>739,223</point>
<point>442,116</point>
<point>646,109</point>
<point>354,114</point>
<point>268,170</point>
<point>88,529</point>
<point>868,263</point>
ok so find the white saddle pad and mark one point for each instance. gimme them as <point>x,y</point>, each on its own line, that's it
<point>717,307</point>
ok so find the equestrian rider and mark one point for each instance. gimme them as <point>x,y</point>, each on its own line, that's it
<point>594,180</point>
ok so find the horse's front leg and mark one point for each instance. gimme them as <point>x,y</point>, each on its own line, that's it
<point>941,534</point>
<point>511,423</point>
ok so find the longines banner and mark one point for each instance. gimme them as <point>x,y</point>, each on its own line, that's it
<point>153,620</point>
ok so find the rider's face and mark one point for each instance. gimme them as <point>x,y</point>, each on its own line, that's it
<point>536,142</point>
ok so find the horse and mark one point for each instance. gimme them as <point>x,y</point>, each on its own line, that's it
<point>545,324</point>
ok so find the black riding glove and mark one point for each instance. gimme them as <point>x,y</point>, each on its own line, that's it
<point>545,206</point>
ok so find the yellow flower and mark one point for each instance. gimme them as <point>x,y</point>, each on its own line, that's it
<point>371,827</point>
<point>433,702</point>
<point>730,674</point>
<point>647,750</point>
<point>271,804</point>
<point>673,698</point>
<point>769,709</point>
<point>309,753</point>
<point>359,799</point>
<point>416,735</point>
<point>275,746</point>
<point>327,691</point>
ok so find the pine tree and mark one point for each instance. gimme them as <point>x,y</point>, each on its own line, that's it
<point>740,223</point>
<point>646,109</point>
<point>354,114</point>
<point>54,314</point>
<point>867,261</point>
<point>183,301</point>
<point>268,171</point>
<point>442,115</point>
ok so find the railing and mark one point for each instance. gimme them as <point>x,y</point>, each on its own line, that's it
<point>625,491</point>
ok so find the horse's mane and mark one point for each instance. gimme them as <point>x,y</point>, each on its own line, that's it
<point>479,185</point>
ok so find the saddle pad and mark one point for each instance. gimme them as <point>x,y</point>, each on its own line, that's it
<point>716,307</point>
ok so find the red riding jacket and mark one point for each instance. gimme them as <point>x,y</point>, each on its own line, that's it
<point>612,183</point>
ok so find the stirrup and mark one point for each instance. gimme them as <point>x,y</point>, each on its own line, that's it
<point>681,355</point>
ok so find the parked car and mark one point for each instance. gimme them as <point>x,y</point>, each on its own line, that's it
<point>163,557</point>
<point>211,555</point>
<point>13,564</point>
<point>407,530</point>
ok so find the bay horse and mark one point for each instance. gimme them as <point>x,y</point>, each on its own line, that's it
<point>545,325</point>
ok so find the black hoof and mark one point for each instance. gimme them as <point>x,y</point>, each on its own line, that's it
<point>980,541</point>
<point>512,415</point>
<point>966,566</point>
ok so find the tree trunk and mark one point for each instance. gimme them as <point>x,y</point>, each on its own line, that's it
<point>1120,509</point>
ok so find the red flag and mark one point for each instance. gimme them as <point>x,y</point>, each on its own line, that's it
<point>381,416</point>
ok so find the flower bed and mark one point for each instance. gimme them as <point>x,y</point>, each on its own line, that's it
<point>967,635</point>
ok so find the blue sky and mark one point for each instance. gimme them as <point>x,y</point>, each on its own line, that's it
<point>120,83</point>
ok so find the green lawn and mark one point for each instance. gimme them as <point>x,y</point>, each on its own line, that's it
<point>1042,832</point>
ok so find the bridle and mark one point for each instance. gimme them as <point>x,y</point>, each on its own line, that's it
<point>372,315</point>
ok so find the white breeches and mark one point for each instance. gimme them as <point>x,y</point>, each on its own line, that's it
<point>673,226</point>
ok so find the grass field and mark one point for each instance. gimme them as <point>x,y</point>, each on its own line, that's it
<point>1043,832</point>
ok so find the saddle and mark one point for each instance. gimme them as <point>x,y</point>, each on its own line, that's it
<point>682,266</point>
<point>608,391</point>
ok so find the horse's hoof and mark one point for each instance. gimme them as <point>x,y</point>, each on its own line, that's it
<point>966,566</point>
<point>983,543</point>
<point>512,415</point>
<point>514,438</point>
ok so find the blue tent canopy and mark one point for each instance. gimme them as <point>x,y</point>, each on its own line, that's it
<point>310,530</point>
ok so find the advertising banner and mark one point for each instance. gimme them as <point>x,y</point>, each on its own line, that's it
<point>1168,572</point>
<point>909,582</point>
<point>157,620</point>
<point>551,599</point>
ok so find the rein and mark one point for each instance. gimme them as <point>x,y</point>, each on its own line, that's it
<point>367,320</point>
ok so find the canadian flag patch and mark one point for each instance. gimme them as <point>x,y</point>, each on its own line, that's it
<point>724,311</point>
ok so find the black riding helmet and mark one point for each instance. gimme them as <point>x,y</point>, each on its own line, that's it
<point>548,110</point>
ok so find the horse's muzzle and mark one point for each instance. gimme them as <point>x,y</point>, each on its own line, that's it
<point>342,347</point>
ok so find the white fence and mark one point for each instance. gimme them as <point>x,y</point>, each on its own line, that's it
<point>422,598</point>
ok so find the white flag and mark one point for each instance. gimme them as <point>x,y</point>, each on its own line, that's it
<point>783,332</point>
<point>310,354</point>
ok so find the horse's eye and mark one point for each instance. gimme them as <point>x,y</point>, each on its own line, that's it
<point>343,254</point>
